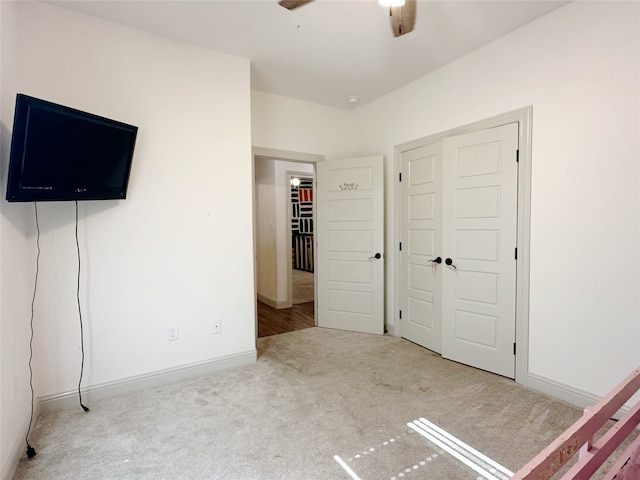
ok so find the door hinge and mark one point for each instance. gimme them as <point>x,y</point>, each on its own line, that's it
<point>514,348</point>
<point>516,257</point>
<point>400,176</point>
<point>517,156</point>
<point>400,314</point>
<point>400,246</point>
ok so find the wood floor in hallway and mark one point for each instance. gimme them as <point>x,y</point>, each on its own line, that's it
<point>273,321</point>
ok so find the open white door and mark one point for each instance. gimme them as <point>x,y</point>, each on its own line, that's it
<point>480,200</point>
<point>350,263</point>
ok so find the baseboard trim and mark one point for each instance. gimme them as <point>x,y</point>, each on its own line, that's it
<point>273,303</point>
<point>564,392</point>
<point>97,392</point>
<point>558,390</point>
<point>19,447</point>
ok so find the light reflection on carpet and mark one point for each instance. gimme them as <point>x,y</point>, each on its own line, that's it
<point>438,455</point>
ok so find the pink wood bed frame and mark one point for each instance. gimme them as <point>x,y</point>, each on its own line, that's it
<point>580,437</point>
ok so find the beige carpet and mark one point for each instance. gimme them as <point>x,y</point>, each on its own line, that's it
<point>314,398</point>
<point>302,286</point>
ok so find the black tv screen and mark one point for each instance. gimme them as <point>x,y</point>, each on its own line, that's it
<point>60,153</point>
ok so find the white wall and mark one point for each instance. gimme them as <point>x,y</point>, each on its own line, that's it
<point>293,125</point>
<point>177,251</point>
<point>17,262</point>
<point>3,389</point>
<point>578,67</point>
<point>265,221</point>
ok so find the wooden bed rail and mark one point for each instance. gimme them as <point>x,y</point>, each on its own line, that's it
<point>579,437</point>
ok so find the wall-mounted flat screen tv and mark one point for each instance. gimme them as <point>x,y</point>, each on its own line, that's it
<point>60,153</point>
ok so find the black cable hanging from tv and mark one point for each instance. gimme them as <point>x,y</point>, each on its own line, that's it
<point>86,409</point>
<point>31,452</point>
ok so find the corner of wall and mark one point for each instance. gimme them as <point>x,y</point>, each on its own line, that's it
<point>17,449</point>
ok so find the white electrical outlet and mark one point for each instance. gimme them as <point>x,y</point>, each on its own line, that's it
<point>216,325</point>
<point>172,333</point>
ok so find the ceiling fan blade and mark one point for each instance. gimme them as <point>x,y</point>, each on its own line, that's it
<point>403,18</point>
<point>291,4</point>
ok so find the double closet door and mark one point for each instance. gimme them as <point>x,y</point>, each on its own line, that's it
<point>458,254</point>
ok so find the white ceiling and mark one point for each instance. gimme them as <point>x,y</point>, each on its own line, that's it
<point>328,50</point>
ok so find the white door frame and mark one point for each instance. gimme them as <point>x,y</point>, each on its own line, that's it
<point>290,174</point>
<point>524,117</point>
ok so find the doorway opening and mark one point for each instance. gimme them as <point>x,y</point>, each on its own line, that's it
<point>302,238</point>
<point>284,241</point>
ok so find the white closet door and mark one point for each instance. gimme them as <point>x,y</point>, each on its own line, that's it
<point>480,173</point>
<point>420,283</point>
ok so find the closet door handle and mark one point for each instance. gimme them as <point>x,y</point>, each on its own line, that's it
<point>449,262</point>
<point>436,260</point>
<point>377,256</point>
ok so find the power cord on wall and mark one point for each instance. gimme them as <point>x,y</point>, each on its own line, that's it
<point>31,452</point>
<point>86,409</point>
